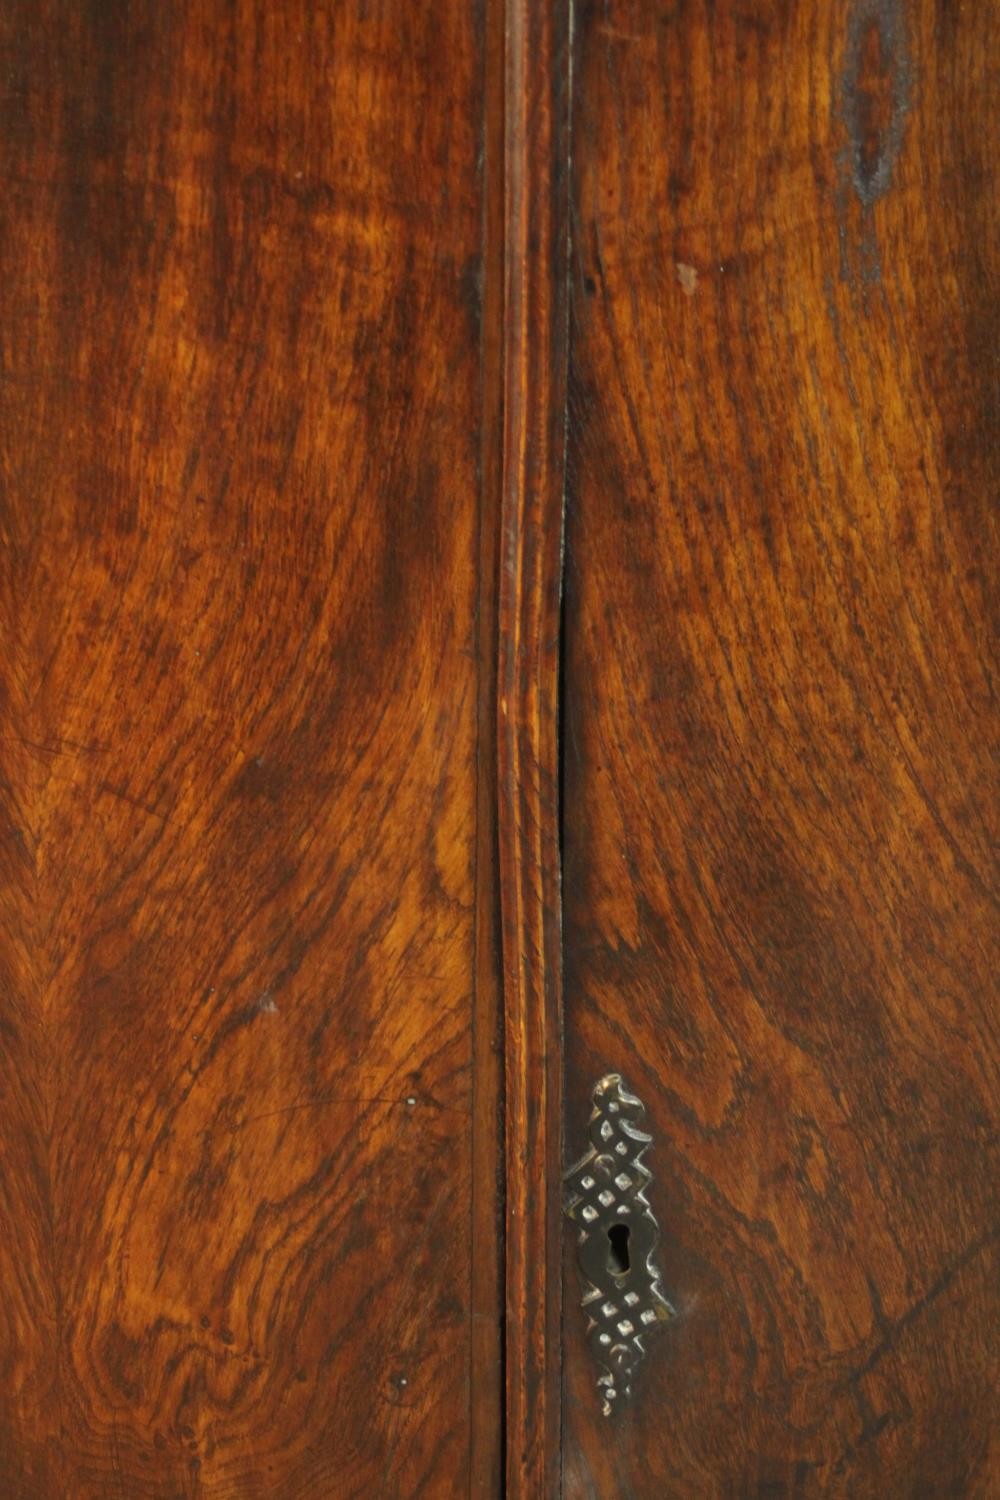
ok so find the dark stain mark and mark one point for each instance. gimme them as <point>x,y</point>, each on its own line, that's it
<point>874,102</point>
<point>470,288</point>
<point>262,779</point>
<point>876,94</point>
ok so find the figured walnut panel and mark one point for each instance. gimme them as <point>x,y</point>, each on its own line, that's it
<point>780,817</point>
<point>239,385</point>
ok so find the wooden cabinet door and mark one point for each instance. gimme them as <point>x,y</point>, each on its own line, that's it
<point>244,969</point>
<point>497,887</point>
<point>780,815</point>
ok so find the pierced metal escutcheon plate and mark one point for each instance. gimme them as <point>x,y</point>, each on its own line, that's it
<point>617,1239</point>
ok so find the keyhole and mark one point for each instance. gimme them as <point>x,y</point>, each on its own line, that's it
<point>618,1261</point>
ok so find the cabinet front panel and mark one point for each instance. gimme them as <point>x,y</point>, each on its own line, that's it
<point>239,378</point>
<point>779,814</point>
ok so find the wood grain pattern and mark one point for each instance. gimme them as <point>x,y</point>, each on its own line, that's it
<point>780,808</point>
<point>534,377</point>
<point>487,1389</point>
<point>239,373</point>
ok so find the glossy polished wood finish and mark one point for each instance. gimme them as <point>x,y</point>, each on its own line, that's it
<point>283,419</point>
<point>240,382</point>
<point>780,822</point>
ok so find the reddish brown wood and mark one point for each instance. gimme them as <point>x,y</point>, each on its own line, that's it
<point>283,343</point>
<point>780,813</point>
<point>535,245</point>
<point>486,1389</point>
<point>239,554</point>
